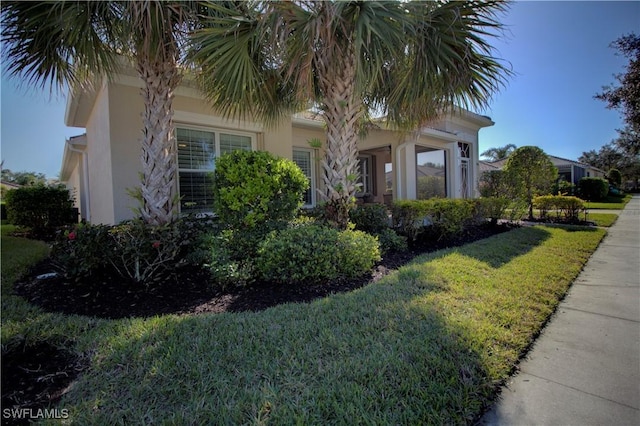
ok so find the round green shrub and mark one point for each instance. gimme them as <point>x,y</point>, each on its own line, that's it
<point>593,189</point>
<point>40,207</point>
<point>255,187</point>
<point>371,218</point>
<point>315,253</point>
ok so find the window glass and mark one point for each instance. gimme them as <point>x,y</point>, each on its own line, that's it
<point>197,152</point>
<point>431,173</point>
<point>303,159</point>
<point>196,149</point>
<point>230,143</point>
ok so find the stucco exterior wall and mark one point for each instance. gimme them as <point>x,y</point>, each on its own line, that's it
<point>125,110</point>
<point>99,160</point>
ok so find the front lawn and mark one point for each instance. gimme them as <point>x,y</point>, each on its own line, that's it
<point>430,343</point>
<point>602,219</point>
<point>612,202</point>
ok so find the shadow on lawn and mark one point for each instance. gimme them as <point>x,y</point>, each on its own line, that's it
<point>379,355</point>
<point>498,250</point>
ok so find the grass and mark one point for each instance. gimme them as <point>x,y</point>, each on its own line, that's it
<point>611,203</point>
<point>602,219</point>
<point>427,344</point>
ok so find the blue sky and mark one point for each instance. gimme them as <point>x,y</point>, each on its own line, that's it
<point>559,51</point>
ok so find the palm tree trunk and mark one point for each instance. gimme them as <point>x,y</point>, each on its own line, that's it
<point>342,115</point>
<point>158,188</point>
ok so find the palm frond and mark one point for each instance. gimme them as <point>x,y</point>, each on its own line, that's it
<point>54,43</point>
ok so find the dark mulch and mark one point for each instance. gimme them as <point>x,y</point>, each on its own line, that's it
<point>189,291</point>
<point>35,377</point>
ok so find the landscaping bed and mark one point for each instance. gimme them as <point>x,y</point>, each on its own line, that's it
<point>189,290</point>
<point>430,343</point>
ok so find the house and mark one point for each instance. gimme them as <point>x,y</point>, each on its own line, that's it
<point>569,170</point>
<point>103,165</point>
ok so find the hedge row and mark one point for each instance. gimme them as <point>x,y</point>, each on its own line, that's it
<point>567,206</point>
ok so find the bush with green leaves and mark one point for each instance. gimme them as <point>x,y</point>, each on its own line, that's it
<point>132,250</point>
<point>562,187</point>
<point>492,208</point>
<point>443,216</point>
<point>41,208</point>
<point>314,253</point>
<point>253,188</point>
<point>615,177</point>
<point>82,251</point>
<point>568,207</point>
<point>371,218</point>
<point>593,189</point>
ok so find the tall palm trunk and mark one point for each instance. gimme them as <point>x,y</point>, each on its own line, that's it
<point>342,115</point>
<point>160,79</point>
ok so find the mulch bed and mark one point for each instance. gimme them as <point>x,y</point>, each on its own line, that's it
<point>190,292</point>
<point>36,376</point>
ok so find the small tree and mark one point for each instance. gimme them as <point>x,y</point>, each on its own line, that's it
<point>615,177</point>
<point>531,172</point>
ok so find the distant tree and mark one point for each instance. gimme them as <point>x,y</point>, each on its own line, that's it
<point>23,178</point>
<point>495,183</point>
<point>499,153</point>
<point>626,96</point>
<point>622,154</point>
<point>614,177</point>
<point>531,172</point>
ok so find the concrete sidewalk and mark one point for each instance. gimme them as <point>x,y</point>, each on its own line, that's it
<point>584,369</point>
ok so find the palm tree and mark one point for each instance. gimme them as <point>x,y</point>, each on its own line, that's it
<point>73,42</point>
<point>499,153</point>
<point>408,61</point>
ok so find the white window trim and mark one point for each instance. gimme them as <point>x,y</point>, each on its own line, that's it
<point>312,178</point>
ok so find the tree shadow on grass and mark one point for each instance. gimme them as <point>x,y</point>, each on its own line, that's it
<point>498,250</point>
<point>380,354</point>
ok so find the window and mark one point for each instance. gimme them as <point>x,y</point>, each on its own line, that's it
<point>304,159</point>
<point>197,151</point>
<point>364,162</point>
<point>431,173</point>
<point>464,152</point>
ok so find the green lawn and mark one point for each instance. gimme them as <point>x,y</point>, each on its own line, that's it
<point>602,219</point>
<point>611,202</point>
<point>429,343</point>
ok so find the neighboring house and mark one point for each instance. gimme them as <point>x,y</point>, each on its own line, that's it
<point>569,170</point>
<point>103,164</point>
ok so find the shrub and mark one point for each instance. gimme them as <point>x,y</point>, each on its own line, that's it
<point>40,208</point>
<point>132,250</point>
<point>253,188</point>
<point>445,216</point>
<point>371,218</point>
<point>562,187</point>
<point>82,251</point>
<point>615,177</point>
<point>315,253</point>
<point>225,269</point>
<point>593,189</point>
<point>492,208</point>
<point>409,217</point>
<point>390,241</point>
<point>570,207</point>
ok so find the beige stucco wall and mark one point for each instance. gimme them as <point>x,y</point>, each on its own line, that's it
<point>114,130</point>
<point>117,117</point>
<point>99,160</point>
